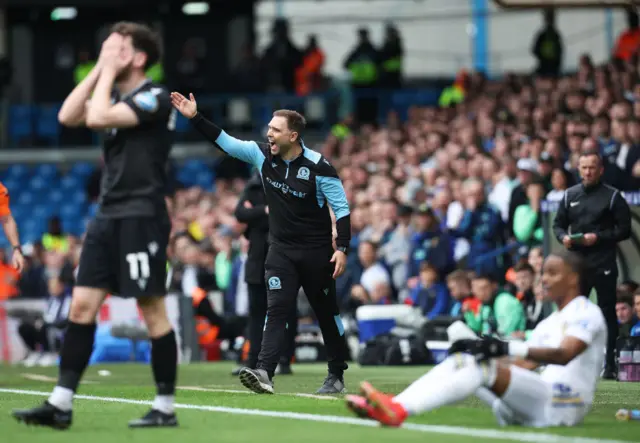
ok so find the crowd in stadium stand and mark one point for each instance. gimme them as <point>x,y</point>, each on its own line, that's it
<point>445,206</point>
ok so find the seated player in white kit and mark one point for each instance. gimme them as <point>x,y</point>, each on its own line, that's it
<point>570,342</point>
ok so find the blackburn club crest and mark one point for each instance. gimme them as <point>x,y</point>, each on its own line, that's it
<point>303,173</point>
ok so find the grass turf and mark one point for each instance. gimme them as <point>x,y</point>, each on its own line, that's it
<point>212,385</point>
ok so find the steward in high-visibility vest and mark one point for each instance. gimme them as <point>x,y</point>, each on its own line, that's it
<point>455,93</point>
<point>391,56</point>
<point>362,63</point>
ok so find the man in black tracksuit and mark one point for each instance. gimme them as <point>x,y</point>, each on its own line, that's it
<point>300,186</point>
<point>591,219</point>
<point>253,210</point>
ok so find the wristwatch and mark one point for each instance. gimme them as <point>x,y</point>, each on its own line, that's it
<point>18,248</point>
<point>343,249</point>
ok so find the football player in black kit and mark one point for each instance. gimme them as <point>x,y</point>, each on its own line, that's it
<point>124,252</point>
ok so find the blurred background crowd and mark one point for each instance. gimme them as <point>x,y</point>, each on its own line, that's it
<point>447,198</point>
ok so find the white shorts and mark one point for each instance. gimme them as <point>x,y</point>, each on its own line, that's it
<point>532,401</point>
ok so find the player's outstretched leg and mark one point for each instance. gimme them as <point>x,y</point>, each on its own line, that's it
<point>455,379</point>
<point>75,353</point>
<point>164,364</point>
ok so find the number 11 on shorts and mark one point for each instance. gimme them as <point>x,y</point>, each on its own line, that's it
<point>138,265</point>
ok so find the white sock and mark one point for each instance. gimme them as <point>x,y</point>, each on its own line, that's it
<point>453,380</point>
<point>164,403</point>
<point>503,413</point>
<point>61,398</point>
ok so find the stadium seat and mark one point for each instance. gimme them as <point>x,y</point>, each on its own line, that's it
<point>71,211</point>
<point>17,172</point>
<point>204,180</point>
<point>20,123</point>
<point>39,184</point>
<point>13,186</point>
<point>69,183</point>
<point>46,171</point>
<point>25,198</point>
<point>81,169</point>
<point>47,126</point>
<point>56,196</point>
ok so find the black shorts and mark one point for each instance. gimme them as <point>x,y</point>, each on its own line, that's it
<point>127,257</point>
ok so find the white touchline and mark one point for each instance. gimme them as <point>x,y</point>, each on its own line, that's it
<point>532,437</point>
<point>238,391</point>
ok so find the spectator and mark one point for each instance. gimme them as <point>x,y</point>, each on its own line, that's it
<point>481,226</point>
<point>635,330</point>
<point>391,55</point>
<point>560,181</point>
<point>501,313</point>
<point>536,259</point>
<point>375,283</point>
<point>309,73</point>
<point>430,294</point>
<point>395,253</point>
<point>459,286</point>
<point>362,64</point>
<point>43,336</point>
<point>625,314</point>
<point>429,243</point>
<point>629,41</point>
<point>527,171</point>
<point>537,311</point>
<point>54,239</point>
<point>527,220</point>
<point>548,48</point>
<point>281,59</point>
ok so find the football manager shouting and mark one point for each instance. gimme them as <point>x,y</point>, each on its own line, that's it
<point>299,186</point>
<point>591,219</point>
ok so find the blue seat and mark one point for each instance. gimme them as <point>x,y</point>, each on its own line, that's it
<point>46,123</point>
<point>82,169</point>
<point>13,186</point>
<point>26,198</point>
<point>204,180</point>
<point>69,183</point>
<point>20,123</point>
<point>56,196</point>
<point>79,198</point>
<point>46,171</point>
<point>195,165</point>
<point>17,171</point>
<point>39,184</point>
<point>186,177</point>
<point>92,210</point>
<point>42,212</point>
<point>71,211</point>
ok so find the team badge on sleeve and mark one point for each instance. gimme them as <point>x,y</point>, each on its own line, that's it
<point>146,101</point>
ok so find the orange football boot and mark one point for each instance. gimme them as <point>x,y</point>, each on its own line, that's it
<point>381,407</point>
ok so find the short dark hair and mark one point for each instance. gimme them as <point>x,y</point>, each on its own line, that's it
<point>485,276</point>
<point>589,153</point>
<point>625,297</point>
<point>295,121</point>
<point>524,266</point>
<point>143,39</point>
<point>571,259</point>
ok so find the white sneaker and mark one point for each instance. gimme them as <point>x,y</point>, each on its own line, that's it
<point>31,360</point>
<point>48,359</point>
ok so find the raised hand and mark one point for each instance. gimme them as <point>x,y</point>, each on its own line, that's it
<point>187,106</point>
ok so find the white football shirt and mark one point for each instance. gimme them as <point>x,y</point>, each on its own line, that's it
<point>583,320</point>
